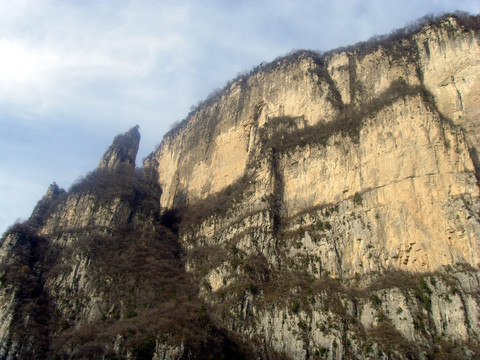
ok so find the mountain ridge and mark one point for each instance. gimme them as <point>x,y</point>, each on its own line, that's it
<point>465,20</point>
<point>321,208</point>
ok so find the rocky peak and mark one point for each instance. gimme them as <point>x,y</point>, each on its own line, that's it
<point>53,191</point>
<point>123,150</point>
<point>46,205</point>
<point>323,206</point>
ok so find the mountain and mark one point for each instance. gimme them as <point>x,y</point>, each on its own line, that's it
<point>323,206</point>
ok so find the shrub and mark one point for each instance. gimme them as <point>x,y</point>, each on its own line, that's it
<point>107,184</point>
<point>295,306</point>
<point>357,199</point>
<point>145,350</point>
<point>390,339</point>
<point>376,301</point>
<point>22,272</point>
<point>130,314</point>
<point>252,288</point>
<point>46,206</point>
<point>218,203</point>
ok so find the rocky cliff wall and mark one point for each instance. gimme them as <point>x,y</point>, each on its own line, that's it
<point>379,123</point>
<point>321,207</point>
<point>384,176</point>
<point>315,89</point>
<point>213,148</point>
<point>97,272</point>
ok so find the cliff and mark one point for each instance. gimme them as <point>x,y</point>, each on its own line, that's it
<point>389,123</point>
<point>323,206</point>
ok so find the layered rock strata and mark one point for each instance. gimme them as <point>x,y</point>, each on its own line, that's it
<point>320,207</point>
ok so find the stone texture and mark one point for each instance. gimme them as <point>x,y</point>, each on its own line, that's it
<point>325,207</point>
<point>412,163</point>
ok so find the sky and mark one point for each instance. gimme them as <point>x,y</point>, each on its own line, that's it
<point>73,74</point>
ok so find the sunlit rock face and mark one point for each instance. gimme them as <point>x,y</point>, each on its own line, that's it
<point>394,123</point>
<point>320,207</point>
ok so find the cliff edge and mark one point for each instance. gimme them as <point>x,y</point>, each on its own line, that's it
<point>323,206</point>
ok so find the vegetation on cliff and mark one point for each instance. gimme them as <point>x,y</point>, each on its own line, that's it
<point>395,40</point>
<point>101,271</point>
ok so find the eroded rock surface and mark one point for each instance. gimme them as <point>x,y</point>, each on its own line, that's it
<point>322,207</point>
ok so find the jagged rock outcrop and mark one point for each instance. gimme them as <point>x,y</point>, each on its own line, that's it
<point>95,273</point>
<point>123,150</point>
<point>320,207</point>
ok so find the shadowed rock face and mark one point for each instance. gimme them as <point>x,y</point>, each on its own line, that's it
<point>322,207</point>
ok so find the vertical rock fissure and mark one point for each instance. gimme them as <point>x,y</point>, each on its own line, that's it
<point>352,78</point>
<point>334,94</point>
<point>278,191</point>
<point>476,162</point>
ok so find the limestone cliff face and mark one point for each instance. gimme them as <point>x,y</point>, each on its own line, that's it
<point>342,165</point>
<point>313,90</point>
<point>413,108</point>
<point>214,147</point>
<point>96,273</point>
<point>320,207</point>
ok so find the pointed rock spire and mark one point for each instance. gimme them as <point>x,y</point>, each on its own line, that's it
<point>123,150</point>
<point>46,204</point>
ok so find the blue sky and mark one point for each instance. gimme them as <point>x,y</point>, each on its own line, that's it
<point>73,74</point>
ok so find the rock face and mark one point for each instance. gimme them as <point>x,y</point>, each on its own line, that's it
<point>122,151</point>
<point>320,207</point>
<point>410,153</point>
